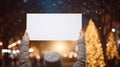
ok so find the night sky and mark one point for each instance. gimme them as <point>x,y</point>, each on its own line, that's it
<point>13,13</point>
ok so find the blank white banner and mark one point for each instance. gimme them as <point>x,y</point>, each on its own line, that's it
<point>53,26</point>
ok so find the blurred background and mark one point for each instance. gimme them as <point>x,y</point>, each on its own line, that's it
<point>100,21</point>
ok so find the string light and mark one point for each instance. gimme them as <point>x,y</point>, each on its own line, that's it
<point>113,30</point>
<point>31,50</point>
<point>93,46</point>
<point>1,43</point>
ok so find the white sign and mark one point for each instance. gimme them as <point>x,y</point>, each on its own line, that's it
<point>53,26</point>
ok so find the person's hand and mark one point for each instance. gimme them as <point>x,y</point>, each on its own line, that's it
<point>81,36</point>
<point>25,36</point>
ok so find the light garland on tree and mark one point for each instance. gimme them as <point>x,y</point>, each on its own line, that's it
<point>111,47</point>
<point>94,47</point>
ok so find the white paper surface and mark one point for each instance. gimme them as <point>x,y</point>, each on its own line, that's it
<point>53,26</point>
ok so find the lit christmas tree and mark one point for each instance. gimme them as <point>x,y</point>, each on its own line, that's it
<point>111,47</point>
<point>95,56</point>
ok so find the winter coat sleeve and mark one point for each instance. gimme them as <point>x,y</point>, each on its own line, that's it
<point>24,54</point>
<point>81,59</point>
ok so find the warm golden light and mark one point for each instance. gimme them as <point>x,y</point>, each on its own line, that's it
<point>113,30</point>
<point>18,42</point>
<point>38,57</point>
<point>112,47</point>
<point>70,56</point>
<point>12,45</point>
<point>31,50</point>
<point>60,47</point>
<point>75,54</point>
<point>65,55</point>
<point>31,55</point>
<point>93,45</point>
<point>1,43</point>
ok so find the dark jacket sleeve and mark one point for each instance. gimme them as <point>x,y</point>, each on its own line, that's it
<point>24,54</point>
<point>81,59</point>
